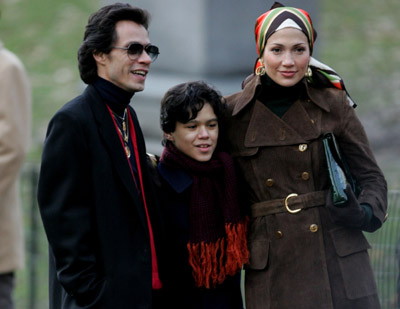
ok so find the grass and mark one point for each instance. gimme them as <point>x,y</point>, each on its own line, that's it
<point>363,46</point>
<point>360,40</point>
<point>46,35</point>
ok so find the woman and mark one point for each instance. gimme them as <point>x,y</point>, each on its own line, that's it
<point>205,231</point>
<point>309,253</point>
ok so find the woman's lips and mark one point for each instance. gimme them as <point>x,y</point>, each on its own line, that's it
<point>288,73</point>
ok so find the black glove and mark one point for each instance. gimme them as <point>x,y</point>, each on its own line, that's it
<point>352,214</point>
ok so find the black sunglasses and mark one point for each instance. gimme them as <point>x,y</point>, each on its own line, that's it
<point>134,51</point>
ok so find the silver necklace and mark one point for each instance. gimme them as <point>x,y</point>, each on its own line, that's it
<point>124,133</point>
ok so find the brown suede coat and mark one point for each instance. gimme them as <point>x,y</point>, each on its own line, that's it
<point>303,260</point>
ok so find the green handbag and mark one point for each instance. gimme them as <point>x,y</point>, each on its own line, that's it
<point>339,172</point>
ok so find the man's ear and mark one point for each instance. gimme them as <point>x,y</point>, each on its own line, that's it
<point>99,57</point>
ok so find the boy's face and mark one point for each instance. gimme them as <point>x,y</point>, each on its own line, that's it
<point>198,137</point>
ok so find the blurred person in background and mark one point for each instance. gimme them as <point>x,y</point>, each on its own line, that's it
<point>305,251</point>
<point>205,244</point>
<point>95,195</point>
<point>15,130</point>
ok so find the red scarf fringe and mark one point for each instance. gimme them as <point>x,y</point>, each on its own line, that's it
<point>212,262</point>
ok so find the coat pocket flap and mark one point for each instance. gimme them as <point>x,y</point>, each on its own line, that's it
<point>258,254</point>
<point>348,241</point>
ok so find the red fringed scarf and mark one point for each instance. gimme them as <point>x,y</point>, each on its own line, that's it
<point>218,244</point>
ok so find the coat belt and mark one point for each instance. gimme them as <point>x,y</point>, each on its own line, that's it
<point>293,203</point>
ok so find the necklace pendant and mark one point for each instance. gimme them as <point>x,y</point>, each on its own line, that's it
<point>128,151</point>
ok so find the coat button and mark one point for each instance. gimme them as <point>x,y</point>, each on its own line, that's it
<point>278,234</point>
<point>313,228</point>
<point>303,147</point>
<point>305,176</point>
<point>269,182</point>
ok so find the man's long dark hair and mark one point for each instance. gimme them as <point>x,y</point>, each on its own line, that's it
<point>100,34</point>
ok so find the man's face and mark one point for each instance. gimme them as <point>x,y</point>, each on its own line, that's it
<point>116,67</point>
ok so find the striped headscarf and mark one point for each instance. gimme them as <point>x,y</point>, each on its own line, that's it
<point>280,17</point>
<point>283,17</point>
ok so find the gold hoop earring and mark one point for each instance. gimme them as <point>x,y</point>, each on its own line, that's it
<point>260,71</point>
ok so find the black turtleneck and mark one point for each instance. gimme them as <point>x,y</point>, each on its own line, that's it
<point>115,97</point>
<point>118,100</point>
<point>278,98</point>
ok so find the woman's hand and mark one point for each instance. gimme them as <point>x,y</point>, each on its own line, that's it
<point>352,214</point>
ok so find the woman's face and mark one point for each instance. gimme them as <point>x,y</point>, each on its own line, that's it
<point>197,138</point>
<point>286,56</point>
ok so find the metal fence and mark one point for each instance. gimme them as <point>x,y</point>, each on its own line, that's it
<point>385,255</point>
<point>32,286</point>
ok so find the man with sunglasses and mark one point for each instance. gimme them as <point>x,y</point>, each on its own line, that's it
<point>95,196</point>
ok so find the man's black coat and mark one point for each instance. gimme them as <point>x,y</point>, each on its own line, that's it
<point>92,214</point>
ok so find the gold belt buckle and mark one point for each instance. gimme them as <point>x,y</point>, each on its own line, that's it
<point>287,206</point>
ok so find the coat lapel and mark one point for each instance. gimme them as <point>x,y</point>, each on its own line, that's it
<point>280,131</point>
<point>114,148</point>
<point>243,98</point>
<point>300,121</point>
<point>272,132</point>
